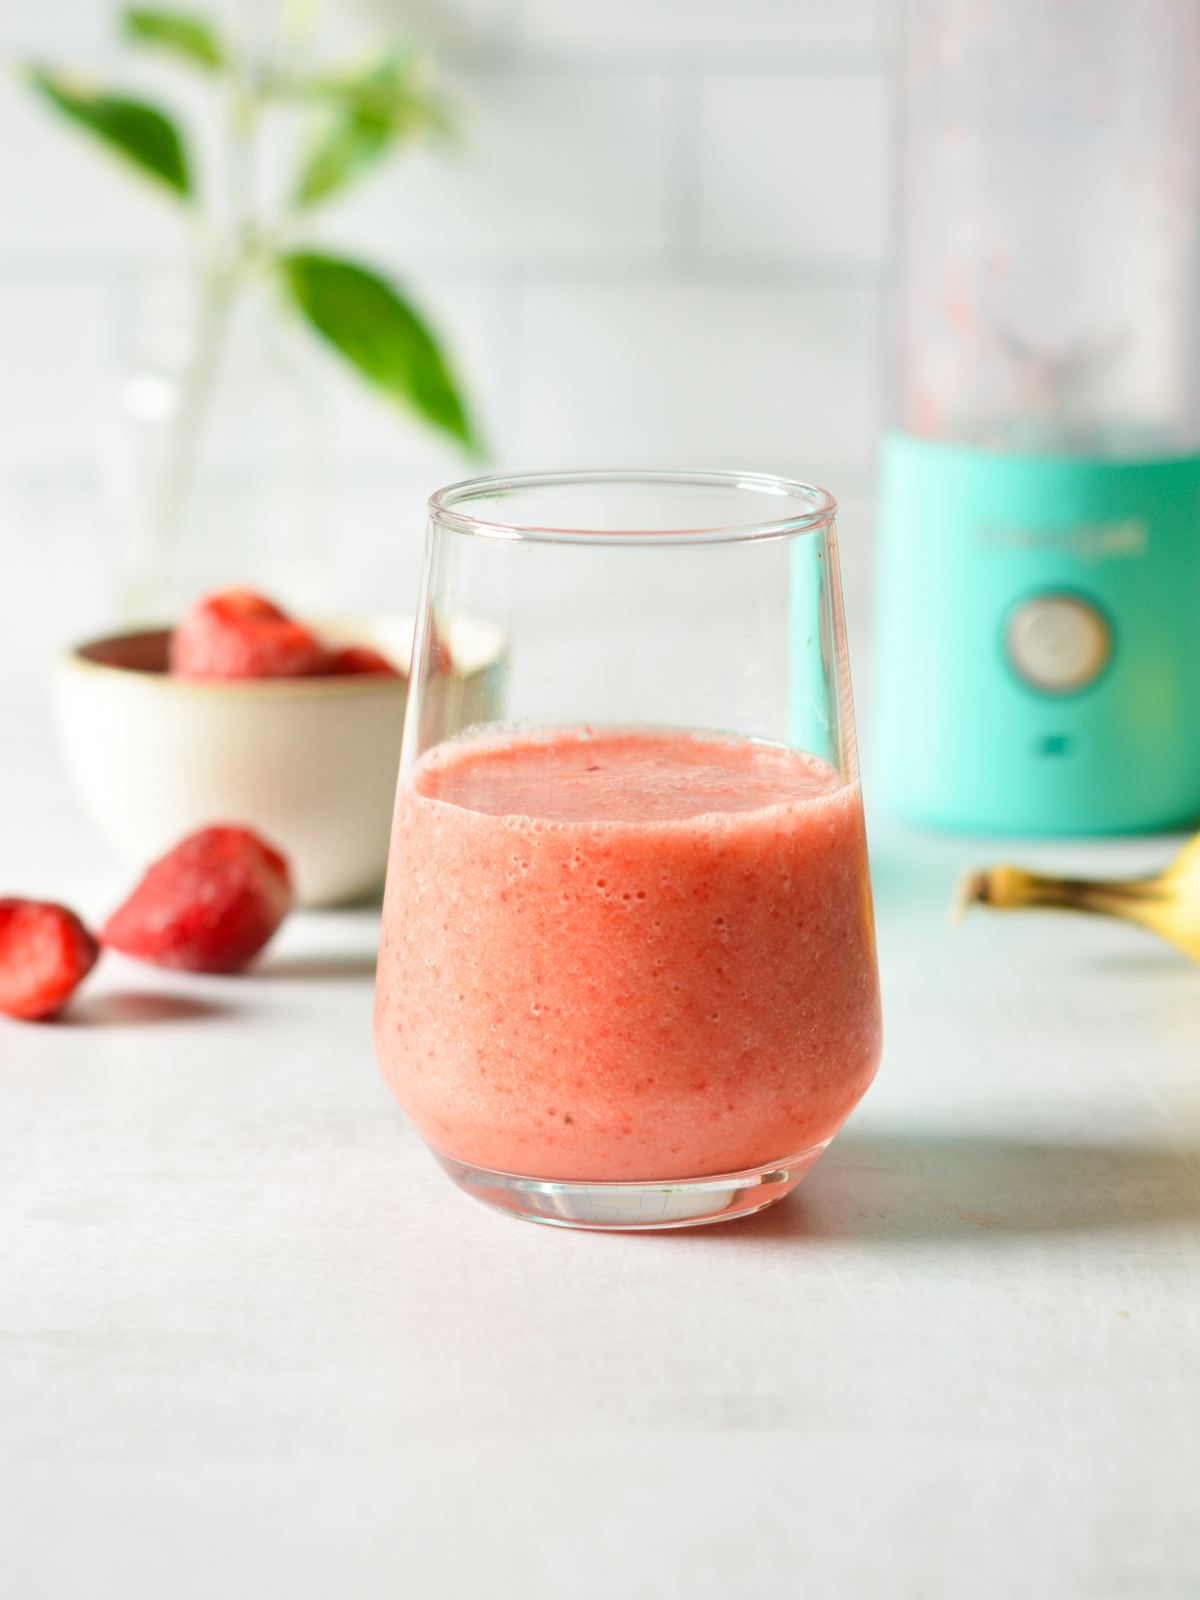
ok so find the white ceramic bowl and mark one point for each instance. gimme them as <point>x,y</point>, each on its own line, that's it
<point>310,763</point>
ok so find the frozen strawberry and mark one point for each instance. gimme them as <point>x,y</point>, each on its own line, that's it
<point>45,952</point>
<point>209,905</point>
<point>238,634</point>
<point>355,658</point>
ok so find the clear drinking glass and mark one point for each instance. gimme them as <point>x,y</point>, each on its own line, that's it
<point>627,977</point>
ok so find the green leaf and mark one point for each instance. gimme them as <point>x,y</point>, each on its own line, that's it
<point>369,110</point>
<point>136,131</point>
<point>375,330</point>
<point>190,37</point>
<point>350,146</point>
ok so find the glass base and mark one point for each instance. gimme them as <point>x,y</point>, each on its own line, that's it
<point>633,1207</point>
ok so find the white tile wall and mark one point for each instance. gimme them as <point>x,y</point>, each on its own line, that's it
<point>687,28</point>
<point>557,165</point>
<point>51,23</point>
<point>54,334</point>
<point>794,167</point>
<point>660,240</point>
<point>766,376</point>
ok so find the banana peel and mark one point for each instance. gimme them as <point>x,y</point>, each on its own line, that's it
<point>1167,904</point>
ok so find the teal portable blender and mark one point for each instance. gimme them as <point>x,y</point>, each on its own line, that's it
<point>1037,644</point>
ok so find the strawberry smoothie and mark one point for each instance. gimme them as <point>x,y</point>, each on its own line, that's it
<point>626,955</point>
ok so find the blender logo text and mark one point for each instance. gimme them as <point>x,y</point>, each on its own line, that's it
<point>1090,541</point>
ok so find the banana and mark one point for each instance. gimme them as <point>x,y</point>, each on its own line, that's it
<point>1168,903</point>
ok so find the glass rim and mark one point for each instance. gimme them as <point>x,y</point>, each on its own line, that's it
<point>820,507</point>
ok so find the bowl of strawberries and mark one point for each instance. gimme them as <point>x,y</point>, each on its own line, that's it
<point>244,715</point>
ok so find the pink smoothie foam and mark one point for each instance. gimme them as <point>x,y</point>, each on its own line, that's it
<point>627,955</point>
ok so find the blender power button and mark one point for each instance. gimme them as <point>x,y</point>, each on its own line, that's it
<point>1058,643</point>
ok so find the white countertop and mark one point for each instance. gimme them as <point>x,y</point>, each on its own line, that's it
<point>254,1344</point>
